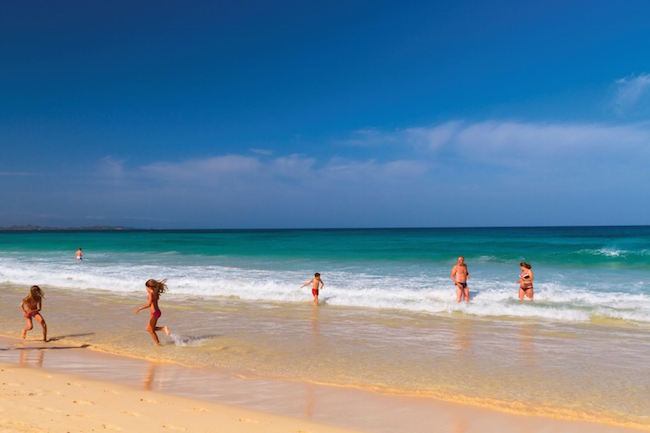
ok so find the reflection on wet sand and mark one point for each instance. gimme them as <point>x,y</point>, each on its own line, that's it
<point>527,345</point>
<point>310,401</point>
<point>463,336</point>
<point>315,342</point>
<point>315,325</point>
<point>24,358</point>
<point>461,426</point>
<point>148,378</point>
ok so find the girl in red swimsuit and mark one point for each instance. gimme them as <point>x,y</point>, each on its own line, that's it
<point>155,289</point>
<point>34,303</point>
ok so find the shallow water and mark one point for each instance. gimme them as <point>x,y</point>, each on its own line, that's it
<point>388,322</point>
<point>585,371</point>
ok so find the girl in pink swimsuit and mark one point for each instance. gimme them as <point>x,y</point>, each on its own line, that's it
<point>34,303</point>
<point>155,289</point>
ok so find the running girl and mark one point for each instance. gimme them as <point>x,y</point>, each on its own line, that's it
<point>155,289</point>
<point>31,308</point>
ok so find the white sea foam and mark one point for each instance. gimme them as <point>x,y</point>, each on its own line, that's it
<point>607,252</point>
<point>389,289</point>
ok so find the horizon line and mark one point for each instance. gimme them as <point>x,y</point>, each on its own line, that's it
<point>118,228</point>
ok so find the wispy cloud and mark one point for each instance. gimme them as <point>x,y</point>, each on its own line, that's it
<point>269,171</point>
<point>202,170</point>
<point>510,142</point>
<point>631,91</point>
<point>422,175</point>
<point>111,167</point>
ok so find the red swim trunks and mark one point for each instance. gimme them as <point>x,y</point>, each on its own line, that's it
<point>314,292</point>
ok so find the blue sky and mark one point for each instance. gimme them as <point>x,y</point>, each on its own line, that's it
<point>339,114</point>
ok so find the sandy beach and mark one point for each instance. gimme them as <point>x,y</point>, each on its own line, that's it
<point>60,387</point>
<point>37,401</point>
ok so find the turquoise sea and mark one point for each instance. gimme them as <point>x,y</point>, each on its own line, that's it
<point>581,273</point>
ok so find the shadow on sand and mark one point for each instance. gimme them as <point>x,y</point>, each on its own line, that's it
<point>61,337</point>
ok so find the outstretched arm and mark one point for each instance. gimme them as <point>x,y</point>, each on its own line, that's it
<point>307,283</point>
<point>144,307</point>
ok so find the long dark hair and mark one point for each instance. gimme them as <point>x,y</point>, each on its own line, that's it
<point>35,294</point>
<point>158,287</point>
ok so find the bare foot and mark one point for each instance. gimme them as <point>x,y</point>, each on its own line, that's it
<point>167,331</point>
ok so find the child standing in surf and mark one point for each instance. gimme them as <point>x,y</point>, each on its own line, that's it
<point>316,284</point>
<point>31,308</point>
<point>155,289</point>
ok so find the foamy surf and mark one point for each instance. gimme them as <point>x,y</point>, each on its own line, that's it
<point>559,299</point>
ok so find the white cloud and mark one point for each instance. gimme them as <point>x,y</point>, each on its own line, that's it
<point>264,173</point>
<point>200,170</point>
<point>510,142</point>
<point>631,90</point>
<point>431,137</point>
<point>430,166</point>
<point>496,141</point>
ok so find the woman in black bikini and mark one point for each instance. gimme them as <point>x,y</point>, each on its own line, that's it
<point>526,281</point>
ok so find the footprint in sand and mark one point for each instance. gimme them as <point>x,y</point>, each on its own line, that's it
<point>173,427</point>
<point>111,427</point>
<point>146,400</point>
<point>200,409</point>
<point>248,420</point>
<point>86,402</point>
<point>135,414</point>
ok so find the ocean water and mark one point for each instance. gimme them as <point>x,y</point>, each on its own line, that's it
<point>581,274</point>
<point>388,321</point>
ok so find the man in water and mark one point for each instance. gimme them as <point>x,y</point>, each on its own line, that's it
<point>460,275</point>
<point>79,254</point>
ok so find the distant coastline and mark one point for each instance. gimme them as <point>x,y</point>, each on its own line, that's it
<point>110,228</point>
<point>35,228</point>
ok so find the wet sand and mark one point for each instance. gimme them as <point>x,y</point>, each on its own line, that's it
<point>299,402</point>
<point>35,401</point>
